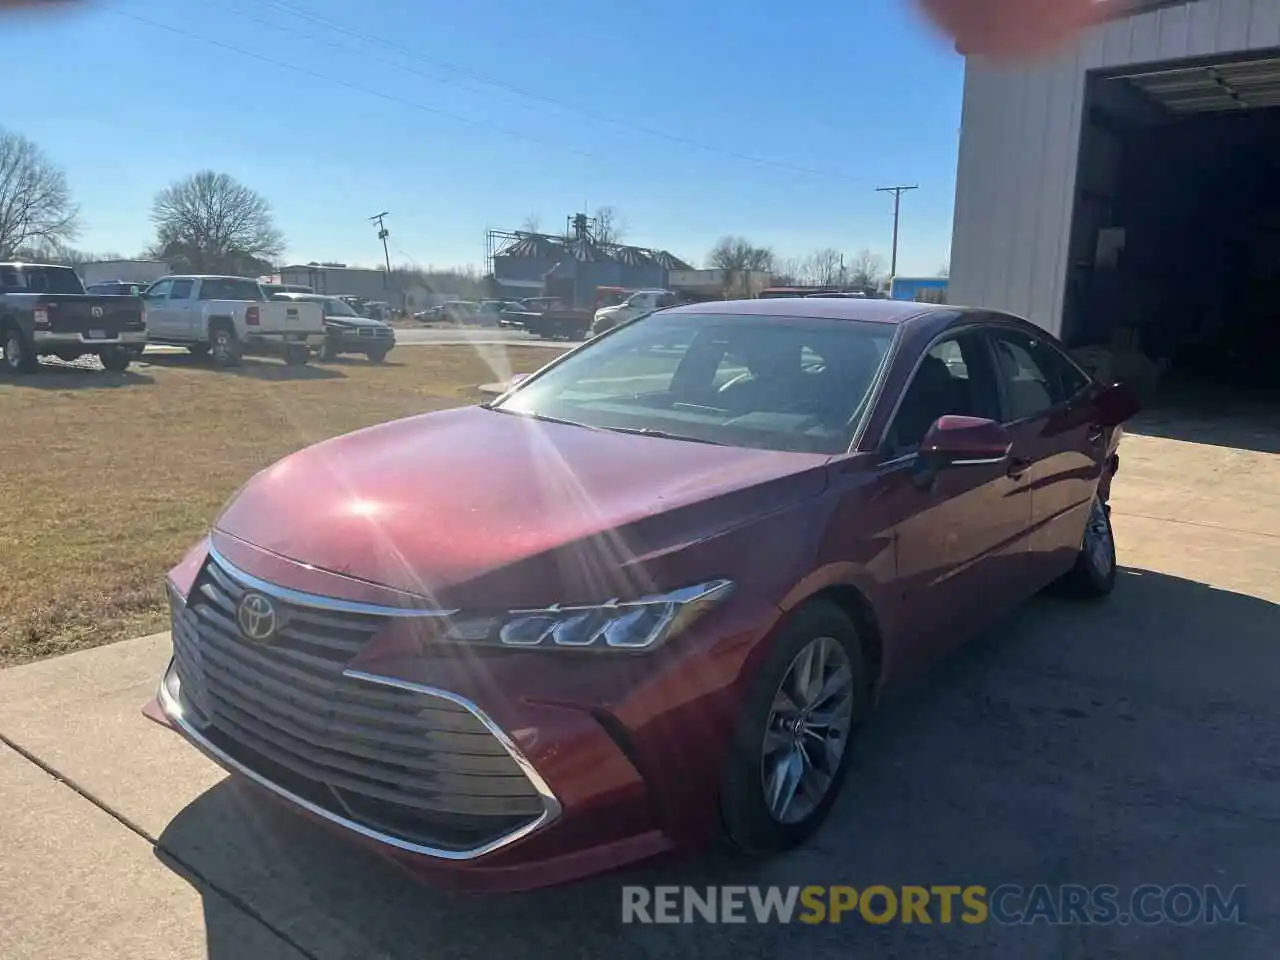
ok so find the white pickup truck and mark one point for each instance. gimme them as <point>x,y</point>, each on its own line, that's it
<point>227,317</point>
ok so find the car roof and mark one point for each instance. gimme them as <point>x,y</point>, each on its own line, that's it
<point>833,308</point>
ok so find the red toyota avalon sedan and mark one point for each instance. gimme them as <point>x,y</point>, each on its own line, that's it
<point>646,598</point>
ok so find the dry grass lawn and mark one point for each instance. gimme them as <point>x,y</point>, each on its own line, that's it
<point>105,479</point>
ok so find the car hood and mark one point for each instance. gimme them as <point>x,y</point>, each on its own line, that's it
<point>475,506</point>
<point>342,321</point>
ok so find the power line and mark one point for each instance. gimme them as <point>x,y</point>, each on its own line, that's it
<point>351,86</point>
<point>897,206</point>
<point>512,89</point>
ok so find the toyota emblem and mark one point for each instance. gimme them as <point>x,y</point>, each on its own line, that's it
<point>256,617</point>
<point>96,311</point>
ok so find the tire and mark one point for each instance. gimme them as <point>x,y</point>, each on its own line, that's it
<point>116,360</point>
<point>200,350</point>
<point>329,351</point>
<point>224,346</point>
<point>19,355</point>
<point>1094,573</point>
<point>753,823</point>
<point>296,356</point>
<point>377,356</point>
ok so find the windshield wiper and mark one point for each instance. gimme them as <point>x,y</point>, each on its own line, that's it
<point>544,417</point>
<point>663,434</point>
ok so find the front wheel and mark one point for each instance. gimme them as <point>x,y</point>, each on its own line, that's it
<point>329,351</point>
<point>377,356</point>
<point>19,356</point>
<point>792,749</point>
<point>1094,573</point>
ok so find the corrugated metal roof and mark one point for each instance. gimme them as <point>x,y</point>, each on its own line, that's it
<point>1219,87</point>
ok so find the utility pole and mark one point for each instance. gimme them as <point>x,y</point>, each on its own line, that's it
<point>897,206</point>
<point>383,233</point>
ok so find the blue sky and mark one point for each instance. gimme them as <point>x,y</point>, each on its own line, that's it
<point>461,117</point>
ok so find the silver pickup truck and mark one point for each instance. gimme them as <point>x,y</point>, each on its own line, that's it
<point>227,317</point>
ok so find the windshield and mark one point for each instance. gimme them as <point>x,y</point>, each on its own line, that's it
<point>62,280</point>
<point>338,308</point>
<point>771,383</point>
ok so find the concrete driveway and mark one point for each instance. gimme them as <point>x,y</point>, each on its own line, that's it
<point>1132,741</point>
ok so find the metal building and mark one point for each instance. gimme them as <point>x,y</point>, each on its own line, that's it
<point>1056,218</point>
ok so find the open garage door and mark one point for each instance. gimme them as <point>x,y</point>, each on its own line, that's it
<point>1176,231</point>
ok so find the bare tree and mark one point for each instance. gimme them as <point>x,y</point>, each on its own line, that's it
<point>865,270</point>
<point>211,223</point>
<point>788,272</point>
<point>823,267</point>
<point>532,223</point>
<point>610,227</point>
<point>36,211</point>
<point>737,258</point>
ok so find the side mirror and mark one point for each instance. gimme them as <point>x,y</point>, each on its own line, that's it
<point>955,441</point>
<point>1115,404</point>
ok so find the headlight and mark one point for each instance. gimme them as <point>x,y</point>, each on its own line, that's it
<point>618,625</point>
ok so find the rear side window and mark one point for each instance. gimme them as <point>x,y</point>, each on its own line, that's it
<point>231,288</point>
<point>1031,374</point>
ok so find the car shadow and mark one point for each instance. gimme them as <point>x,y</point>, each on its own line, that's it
<point>253,368</point>
<point>80,375</point>
<point>1124,742</point>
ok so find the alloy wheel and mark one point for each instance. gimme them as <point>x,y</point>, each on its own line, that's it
<point>13,352</point>
<point>807,732</point>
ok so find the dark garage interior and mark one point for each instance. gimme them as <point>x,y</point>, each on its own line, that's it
<point>1176,235</point>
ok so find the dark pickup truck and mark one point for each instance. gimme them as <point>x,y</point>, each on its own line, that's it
<point>45,311</point>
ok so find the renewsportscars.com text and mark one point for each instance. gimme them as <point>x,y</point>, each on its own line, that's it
<point>1008,904</point>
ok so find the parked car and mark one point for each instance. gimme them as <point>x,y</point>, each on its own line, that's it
<point>345,330</point>
<point>489,312</point>
<point>649,595</point>
<point>115,288</point>
<point>459,311</point>
<point>226,317</point>
<point>45,310</point>
<point>515,314</point>
<point>271,289</point>
<point>636,305</point>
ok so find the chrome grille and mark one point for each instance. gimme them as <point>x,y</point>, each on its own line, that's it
<point>418,767</point>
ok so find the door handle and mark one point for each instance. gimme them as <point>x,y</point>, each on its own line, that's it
<point>1017,467</point>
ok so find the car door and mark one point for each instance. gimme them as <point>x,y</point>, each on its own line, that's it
<point>179,311</point>
<point>156,304</point>
<point>1045,401</point>
<point>959,538</point>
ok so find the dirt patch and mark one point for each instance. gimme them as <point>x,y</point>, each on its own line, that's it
<point>106,478</point>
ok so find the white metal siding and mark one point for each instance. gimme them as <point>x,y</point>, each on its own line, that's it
<point>1019,146</point>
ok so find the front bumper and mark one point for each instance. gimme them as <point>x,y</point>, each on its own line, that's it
<point>54,339</point>
<point>624,754</point>
<point>357,341</point>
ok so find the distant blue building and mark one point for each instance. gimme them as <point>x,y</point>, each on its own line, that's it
<point>919,289</point>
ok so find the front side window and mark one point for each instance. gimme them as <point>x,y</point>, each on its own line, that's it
<point>952,379</point>
<point>158,290</point>
<point>181,289</point>
<point>769,383</point>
